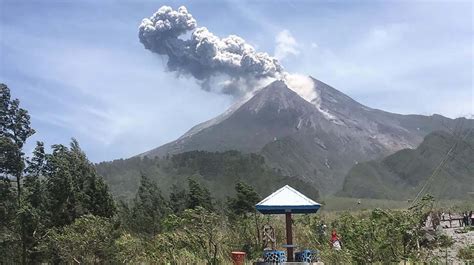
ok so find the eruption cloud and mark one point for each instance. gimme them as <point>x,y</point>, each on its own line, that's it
<point>230,64</point>
<point>204,55</point>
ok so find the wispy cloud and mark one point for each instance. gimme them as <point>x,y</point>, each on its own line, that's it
<point>285,45</point>
<point>381,37</point>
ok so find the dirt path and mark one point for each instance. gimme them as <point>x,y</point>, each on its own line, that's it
<point>461,240</point>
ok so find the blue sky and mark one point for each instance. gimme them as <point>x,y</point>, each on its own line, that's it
<point>80,70</point>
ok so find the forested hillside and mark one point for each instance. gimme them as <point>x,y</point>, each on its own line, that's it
<point>443,165</point>
<point>218,171</point>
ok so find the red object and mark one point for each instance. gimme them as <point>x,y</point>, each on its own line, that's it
<point>238,257</point>
<point>334,236</point>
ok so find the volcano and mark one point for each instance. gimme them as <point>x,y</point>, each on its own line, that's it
<point>316,140</point>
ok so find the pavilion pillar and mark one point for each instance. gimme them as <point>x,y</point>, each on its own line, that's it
<point>289,236</point>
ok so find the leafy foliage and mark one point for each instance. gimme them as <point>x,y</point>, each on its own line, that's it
<point>383,235</point>
<point>90,240</point>
<point>198,196</point>
<point>14,131</point>
<point>178,199</point>
<point>245,199</point>
<point>45,192</point>
<point>73,186</point>
<point>244,220</point>
<point>149,208</point>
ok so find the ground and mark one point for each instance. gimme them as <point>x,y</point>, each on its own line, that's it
<point>461,239</point>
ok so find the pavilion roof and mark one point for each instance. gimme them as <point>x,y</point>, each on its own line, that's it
<point>287,200</point>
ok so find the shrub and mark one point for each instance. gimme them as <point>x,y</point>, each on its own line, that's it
<point>90,239</point>
<point>466,253</point>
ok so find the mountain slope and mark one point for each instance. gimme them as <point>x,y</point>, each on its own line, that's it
<point>219,171</point>
<point>317,141</point>
<point>402,174</point>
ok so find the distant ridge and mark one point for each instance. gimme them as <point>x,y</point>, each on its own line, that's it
<point>402,175</point>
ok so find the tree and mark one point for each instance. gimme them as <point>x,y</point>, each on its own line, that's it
<point>14,131</point>
<point>149,208</point>
<point>32,214</point>
<point>73,186</point>
<point>198,196</point>
<point>245,200</point>
<point>9,234</point>
<point>62,197</point>
<point>178,199</point>
<point>243,216</point>
<point>35,170</point>
<point>51,191</point>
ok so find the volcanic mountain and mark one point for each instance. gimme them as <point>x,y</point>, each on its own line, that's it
<point>316,141</point>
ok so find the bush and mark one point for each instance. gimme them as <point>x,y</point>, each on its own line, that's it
<point>90,239</point>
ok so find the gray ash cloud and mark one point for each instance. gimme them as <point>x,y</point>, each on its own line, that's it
<point>197,51</point>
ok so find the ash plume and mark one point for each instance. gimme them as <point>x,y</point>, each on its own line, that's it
<point>197,51</point>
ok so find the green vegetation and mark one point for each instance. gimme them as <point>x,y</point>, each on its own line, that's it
<point>217,171</point>
<point>43,193</point>
<point>90,239</point>
<point>443,162</point>
<point>372,236</point>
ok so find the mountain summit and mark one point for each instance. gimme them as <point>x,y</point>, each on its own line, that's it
<point>317,141</point>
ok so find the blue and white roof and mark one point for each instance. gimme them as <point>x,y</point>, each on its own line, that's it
<point>287,200</point>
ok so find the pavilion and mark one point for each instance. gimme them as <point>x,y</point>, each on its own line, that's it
<point>287,201</point>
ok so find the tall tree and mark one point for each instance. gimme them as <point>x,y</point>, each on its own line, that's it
<point>94,192</point>
<point>9,234</point>
<point>198,196</point>
<point>32,214</point>
<point>149,208</point>
<point>241,209</point>
<point>178,199</point>
<point>244,201</point>
<point>14,131</point>
<point>35,170</point>
<point>74,188</point>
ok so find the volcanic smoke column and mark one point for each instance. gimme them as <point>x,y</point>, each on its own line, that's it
<point>205,55</point>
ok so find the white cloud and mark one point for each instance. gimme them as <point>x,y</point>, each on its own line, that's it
<point>380,37</point>
<point>285,45</point>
